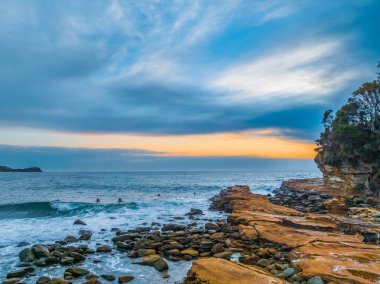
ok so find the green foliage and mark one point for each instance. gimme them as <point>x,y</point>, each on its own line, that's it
<point>352,136</point>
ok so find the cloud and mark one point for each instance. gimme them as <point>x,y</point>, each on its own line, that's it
<point>146,67</point>
<point>305,74</point>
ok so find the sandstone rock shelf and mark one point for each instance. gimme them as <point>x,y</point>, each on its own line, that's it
<point>318,244</point>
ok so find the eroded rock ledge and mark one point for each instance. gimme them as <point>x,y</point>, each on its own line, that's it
<point>331,246</point>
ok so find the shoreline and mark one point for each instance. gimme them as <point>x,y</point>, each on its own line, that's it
<point>265,235</point>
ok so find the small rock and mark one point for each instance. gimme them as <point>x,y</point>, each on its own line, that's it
<point>59,281</point>
<point>217,236</point>
<point>40,250</point>
<point>70,239</point>
<point>125,279</point>
<point>289,271</point>
<point>217,248</point>
<point>161,265</point>
<point>191,252</point>
<point>79,222</point>
<point>43,280</point>
<point>263,262</point>
<point>211,226</point>
<point>26,255</point>
<point>103,249</point>
<point>67,260</point>
<point>316,280</point>
<point>108,277</point>
<point>224,255</point>
<point>173,227</point>
<point>11,281</point>
<point>77,271</point>
<point>20,273</point>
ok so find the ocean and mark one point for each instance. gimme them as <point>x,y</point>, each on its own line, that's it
<point>41,208</point>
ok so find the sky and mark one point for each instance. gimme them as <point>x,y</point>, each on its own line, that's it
<point>140,85</point>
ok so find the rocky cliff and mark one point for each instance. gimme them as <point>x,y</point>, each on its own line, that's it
<point>362,177</point>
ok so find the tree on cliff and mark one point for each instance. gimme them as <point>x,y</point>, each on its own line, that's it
<point>352,136</point>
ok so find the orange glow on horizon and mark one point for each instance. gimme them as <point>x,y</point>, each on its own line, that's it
<point>262,143</point>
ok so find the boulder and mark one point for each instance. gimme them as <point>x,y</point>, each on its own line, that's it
<point>20,273</point>
<point>43,280</point>
<point>161,265</point>
<point>125,279</point>
<point>26,255</point>
<point>103,249</point>
<point>40,250</point>
<point>77,271</point>
<point>211,226</point>
<point>59,281</point>
<point>108,277</point>
<point>79,222</point>
<point>12,281</point>
<point>191,252</point>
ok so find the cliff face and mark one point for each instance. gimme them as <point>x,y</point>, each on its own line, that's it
<point>360,177</point>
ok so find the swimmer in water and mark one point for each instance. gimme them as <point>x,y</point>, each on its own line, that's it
<point>97,200</point>
<point>120,200</point>
<point>158,194</point>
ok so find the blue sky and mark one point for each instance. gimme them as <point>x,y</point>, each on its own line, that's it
<point>149,70</point>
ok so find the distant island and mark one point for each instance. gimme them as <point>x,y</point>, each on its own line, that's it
<point>4,169</point>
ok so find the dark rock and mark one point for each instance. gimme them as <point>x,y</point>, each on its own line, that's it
<point>173,227</point>
<point>20,273</point>
<point>108,277</point>
<point>77,271</point>
<point>43,280</point>
<point>316,280</point>
<point>12,281</point>
<point>125,279</point>
<point>194,211</point>
<point>40,250</point>
<point>211,226</point>
<point>79,222</point>
<point>103,249</point>
<point>70,239</point>
<point>161,265</point>
<point>26,255</point>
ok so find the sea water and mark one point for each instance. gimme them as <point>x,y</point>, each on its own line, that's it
<point>41,208</point>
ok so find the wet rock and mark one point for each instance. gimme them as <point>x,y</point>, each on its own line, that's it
<point>12,281</point>
<point>194,211</point>
<point>20,273</point>
<point>123,246</point>
<point>217,236</point>
<point>103,249</point>
<point>315,280</point>
<point>173,227</point>
<point>125,237</point>
<point>67,260</point>
<point>77,256</point>
<point>191,252</point>
<point>40,250</point>
<point>59,281</point>
<point>125,279</point>
<point>93,281</point>
<point>206,246</point>
<point>108,277</point>
<point>175,245</point>
<point>145,252</point>
<point>217,248</point>
<point>161,265</point>
<point>77,271</point>
<point>148,260</point>
<point>85,235</point>
<point>263,262</point>
<point>79,222</point>
<point>211,226</point>
<point>26,255</point>
<point>224,255</point>
<point>70,239</point>
<point>43,280</point>
<point>289,272</point>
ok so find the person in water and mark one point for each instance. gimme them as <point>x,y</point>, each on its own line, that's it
<point>97,200</point>
<point>120,200</point>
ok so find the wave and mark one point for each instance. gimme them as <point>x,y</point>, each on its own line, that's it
<point>58,208</point>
